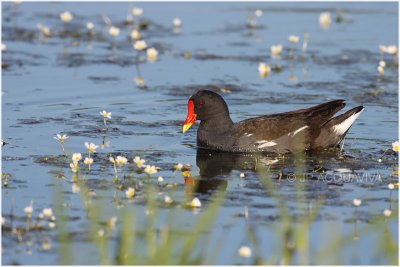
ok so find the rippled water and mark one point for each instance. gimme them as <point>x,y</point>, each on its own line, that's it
<point>59,84</point>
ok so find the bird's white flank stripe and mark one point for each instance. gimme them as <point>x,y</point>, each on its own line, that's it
<point>265,143</point>
<point>297,131</point>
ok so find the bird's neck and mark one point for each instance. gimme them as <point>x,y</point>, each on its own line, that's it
<point>218,124</point>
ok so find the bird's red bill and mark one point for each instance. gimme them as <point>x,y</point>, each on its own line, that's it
<point>191,117</point>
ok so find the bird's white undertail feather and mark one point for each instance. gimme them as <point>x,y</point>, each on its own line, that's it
<point>341,128</point>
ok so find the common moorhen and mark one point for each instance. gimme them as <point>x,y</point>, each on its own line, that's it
<point>312,128</point>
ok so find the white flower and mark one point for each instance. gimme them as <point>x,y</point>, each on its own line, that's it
<point>88,161</point>
<point>52,225</point>
<point>195,203</point>
<point>294,38</point>
<point>160,179</point>
<point>74,166</point>
<point>179,166</point>
<point>264,69</point>
<point>61,138</point>
<point>387,212</point>
<point>135,35</point>
<point>100,232</point>
<point>137,11</point>
<point>395,146</point>
<point>177,22</point>
<point>75,188</point>
<point>114,31</point>
<point>276,50</point>
<point>139,81</point>
<point>76,157</point>
<point>244,252</point>
<point>140,45</point>
<point>47,212</point>
<point>150,169</point>
<point>91,147</point>
<point>66,16</point>
<point>391,186</point>
<point>325,19</point>
<point>382,63</point>
<point>112,159</point>
<point>139,162</point>
<point>121,161</point>
<point>44,30</point>
<point>357,202</point>
<point>28,210</point>
<point>130,192</point>
<point>106,114</point>
<point>152,54</point>
<point>3,47</point>
<point>90,26</point>
<point>168,199</point>
<point>391,49</point>
<point>242,175</point>
<point>112,222</point>
<point>258,12</point>
<point>381,69</point>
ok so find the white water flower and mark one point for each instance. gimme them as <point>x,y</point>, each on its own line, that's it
<point>168,199</point>
<point>88,161</point>
<point>150,169</point>
<point>48,212</point>
<point>244,252</point>
<point>160,179</point>
<point>387,212</point>
<point>152,54</point>
<point>179,166</point>
<point>28,210</point>
<point>357,202</point>
<point>61,138</point>
<point>74,166</point>
<point>195,203</point>
<point>44,30</point>
<point>382,63</point>
<point>264,69</point>
<point>114,31</point>
<point>135,35</point>
<point>139,162</point>
<point>66,16</point>
<point>76,157</point>
<point>391,186</point>
<point>395,146</point>
<point>276,50</point>
<point>242,175</point>
<point>381,70</point>
<point>294,38</point>
<point>325,19</point>
<point>75,188</point>
<point>140,45</point>
<point>91,147</point>
<point>90,26</point>
<point>130,193</point>
<point>137,11</point>
<point>106,114</point>
<point>52,225</point>
<point>177,22</point>
<point>121,161</point>
<point>258,13</point>
<point>139,81</point>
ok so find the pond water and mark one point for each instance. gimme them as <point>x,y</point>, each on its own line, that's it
<point>60,83</point>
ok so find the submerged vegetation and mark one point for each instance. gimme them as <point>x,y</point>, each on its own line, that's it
<point>130,206</point>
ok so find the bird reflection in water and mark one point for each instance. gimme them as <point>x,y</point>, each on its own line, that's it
<point>216,167</point>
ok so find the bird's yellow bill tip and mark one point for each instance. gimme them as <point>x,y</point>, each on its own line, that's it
<point>186,127</point>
